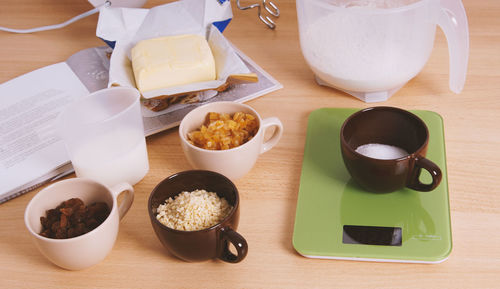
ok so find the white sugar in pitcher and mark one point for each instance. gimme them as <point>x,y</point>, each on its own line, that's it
<point>371,48</point>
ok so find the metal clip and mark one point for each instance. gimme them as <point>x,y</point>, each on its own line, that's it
<point>270,7</point>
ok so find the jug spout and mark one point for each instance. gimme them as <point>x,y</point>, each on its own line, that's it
<point>453,21</point>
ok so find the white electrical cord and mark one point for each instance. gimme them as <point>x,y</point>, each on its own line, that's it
<point>57,26</point>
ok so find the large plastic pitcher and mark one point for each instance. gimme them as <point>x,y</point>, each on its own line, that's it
<point>371,48</point>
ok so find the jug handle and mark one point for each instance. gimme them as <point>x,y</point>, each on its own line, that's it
<point>453,21</point>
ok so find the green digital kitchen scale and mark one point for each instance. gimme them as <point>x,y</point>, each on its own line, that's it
<point>337,219</point>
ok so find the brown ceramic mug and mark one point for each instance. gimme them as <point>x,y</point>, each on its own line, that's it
<point>394,127</point>
<point>209,243</point>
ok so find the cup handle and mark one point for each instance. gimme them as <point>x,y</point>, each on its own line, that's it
<point>432,168</point>
<point>228,235</point>
<point>273,140</point>
<point>116,190</point>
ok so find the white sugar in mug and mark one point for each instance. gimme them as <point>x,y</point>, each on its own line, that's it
<point>90,248</point>
<point>233,163</point>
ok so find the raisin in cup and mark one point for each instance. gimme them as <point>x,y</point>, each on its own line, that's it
<point>235,162</point>
<point>92,247</point>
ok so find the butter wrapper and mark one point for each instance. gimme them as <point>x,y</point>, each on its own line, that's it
<point>125,27</point>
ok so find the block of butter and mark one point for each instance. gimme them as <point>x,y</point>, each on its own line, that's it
<point>172,61</point>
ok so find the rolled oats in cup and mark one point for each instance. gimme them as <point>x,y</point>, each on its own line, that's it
<point>193,211</point>
<point>195,215</point>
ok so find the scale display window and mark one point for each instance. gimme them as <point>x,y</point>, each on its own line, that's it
<point>372,235</point>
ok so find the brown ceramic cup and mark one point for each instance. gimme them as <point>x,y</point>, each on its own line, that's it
<point>389,126</point>
<point>209,243</point>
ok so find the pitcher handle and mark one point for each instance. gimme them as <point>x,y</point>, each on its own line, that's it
<point>453,21</point>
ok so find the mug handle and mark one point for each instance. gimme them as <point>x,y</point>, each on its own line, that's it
<point>432,168</point>
<point>273,140</point>
<point>229,235</point>
<point>117,190</point>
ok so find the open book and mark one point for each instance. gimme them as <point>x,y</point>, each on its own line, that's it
<point>31,153</point>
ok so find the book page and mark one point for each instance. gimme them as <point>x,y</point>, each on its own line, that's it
<point>29,106</point>
<point>31,154</point>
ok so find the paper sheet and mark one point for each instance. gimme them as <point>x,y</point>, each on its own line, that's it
<point>127,26</point>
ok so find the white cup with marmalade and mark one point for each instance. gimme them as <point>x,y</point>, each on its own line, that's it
<point>237,159</point>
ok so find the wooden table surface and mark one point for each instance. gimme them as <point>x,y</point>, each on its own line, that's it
<point>269,191</point>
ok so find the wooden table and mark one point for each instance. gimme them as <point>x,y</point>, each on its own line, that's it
<point>269,191</point>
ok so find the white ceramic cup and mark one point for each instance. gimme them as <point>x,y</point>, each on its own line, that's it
<point>88,249</point>
<point>236,162</point>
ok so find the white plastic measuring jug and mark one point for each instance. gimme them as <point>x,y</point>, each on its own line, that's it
<point>371,48</point>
